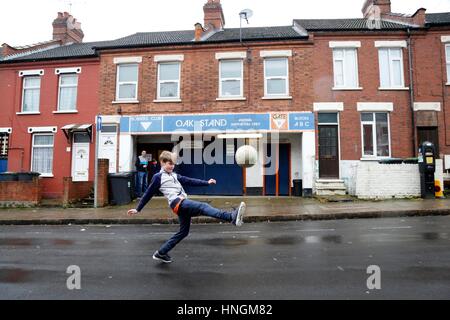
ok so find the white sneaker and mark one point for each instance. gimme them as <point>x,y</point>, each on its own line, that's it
<point>240,214</point>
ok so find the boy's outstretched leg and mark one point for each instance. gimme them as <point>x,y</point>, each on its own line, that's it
<point>185,224</point>
<point>196,208</point>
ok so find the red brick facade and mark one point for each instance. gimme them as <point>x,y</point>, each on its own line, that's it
<point>20,144</point>
<point>200,81</point>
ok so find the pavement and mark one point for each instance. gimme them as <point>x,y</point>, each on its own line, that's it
<point>261,261</point>
<point>259,209</point>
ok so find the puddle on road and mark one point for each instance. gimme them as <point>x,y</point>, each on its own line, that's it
<point>284,240</point>
<point>24,242</point>
<point>16,242</point>
<point>62,242</point>
<point>434,236</point>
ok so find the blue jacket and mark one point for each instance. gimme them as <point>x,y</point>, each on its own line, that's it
<point>171,186</point>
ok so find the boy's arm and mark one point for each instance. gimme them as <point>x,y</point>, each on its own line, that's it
<point>186,181</point>
<point>155,184</point>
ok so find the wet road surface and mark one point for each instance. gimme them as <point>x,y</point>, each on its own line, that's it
<point>294,260</point>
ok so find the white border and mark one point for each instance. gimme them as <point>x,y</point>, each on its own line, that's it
<point>120,60</point>
<point>68,70</point>
<point>42,129</point>
<point>427,106</point>
<point>39,72</point>
<point>169,58</point>
<point>445,39</point>
<point>375,106</point>
<point>276,53</point>
<point>5,130</point>
<point>231,55</point>
<point>391,44</point>
<point>345,44</point>
<point>328,106</point>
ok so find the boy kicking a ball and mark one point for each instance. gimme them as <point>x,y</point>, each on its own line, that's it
<point>171,186</point>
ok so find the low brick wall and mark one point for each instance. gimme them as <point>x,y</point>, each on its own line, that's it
<point>384,181</point>
<point>76,191</point>
<point>20,193</point>
<point>103,192</point>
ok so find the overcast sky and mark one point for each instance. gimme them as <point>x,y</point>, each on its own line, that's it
<point>29,21</point>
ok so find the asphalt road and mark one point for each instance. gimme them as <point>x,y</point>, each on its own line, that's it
<point>295,260</point>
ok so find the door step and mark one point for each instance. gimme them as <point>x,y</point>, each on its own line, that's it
<point>330,187</point>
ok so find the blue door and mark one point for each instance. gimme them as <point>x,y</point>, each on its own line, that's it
<point>277,171</point>
<point>3,165</point>
<point>270,171</point>
<point>229,175</point>
<point>284,170</point>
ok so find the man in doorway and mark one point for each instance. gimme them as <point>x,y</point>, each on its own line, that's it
<point>142,173</point>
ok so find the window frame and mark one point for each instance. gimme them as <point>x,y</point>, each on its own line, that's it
<point>241,79</point>
<point>119,83</point>
<point>391,69</point>
<point>374,135</point>
<point>46,174</point>
<point>266,79</point>
<point>344,64</point>
<point>159,82</point>
<point>61,86</point>
<point>31,88</point>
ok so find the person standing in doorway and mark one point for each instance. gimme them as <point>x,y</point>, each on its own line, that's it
<point>142,173</point>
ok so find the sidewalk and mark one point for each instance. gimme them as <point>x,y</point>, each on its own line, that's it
<point>258,210</point>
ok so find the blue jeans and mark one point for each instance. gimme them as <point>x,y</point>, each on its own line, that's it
<point>141,183</point>
<point>187,210</point>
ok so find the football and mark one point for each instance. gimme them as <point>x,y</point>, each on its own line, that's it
<point>246,156</point>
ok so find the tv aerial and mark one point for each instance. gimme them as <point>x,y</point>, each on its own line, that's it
<point>244,14</point>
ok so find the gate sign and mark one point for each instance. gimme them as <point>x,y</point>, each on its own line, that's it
<point>239,122</point>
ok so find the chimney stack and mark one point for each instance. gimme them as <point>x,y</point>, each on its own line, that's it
<point>214,17</point>
<point>67,29</point>
<point>384,7</point>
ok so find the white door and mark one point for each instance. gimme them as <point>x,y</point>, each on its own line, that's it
<point>80,159</point>
<point>108,149</point>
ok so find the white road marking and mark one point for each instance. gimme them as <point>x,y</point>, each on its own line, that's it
<point>161,233</point>
<point>316,230</point>
<point>38,233</point>
<point>238,232</point>
<point>390,228</point>
<point>103,233</point>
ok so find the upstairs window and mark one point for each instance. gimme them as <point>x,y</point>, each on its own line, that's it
<point>169,80</point>
<point>127,82</point>
<point>231,74</point>
<point>31,94</point>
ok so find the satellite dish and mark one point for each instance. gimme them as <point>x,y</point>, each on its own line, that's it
<point>246,14</point>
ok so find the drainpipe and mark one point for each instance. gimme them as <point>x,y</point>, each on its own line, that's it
<point>411,92</point>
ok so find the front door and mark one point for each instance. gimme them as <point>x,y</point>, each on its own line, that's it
<point>277,171</point>
<point>4,144</point>
<point>429,134</point>
<point>80,157</point>
<point>328,152</point>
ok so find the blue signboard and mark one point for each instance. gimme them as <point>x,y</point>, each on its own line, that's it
<point>216,122</point>
<point>144,124</point>
<point>301,121</point>
<point>238,122</point>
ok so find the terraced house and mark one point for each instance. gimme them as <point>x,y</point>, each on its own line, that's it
<point>48,105</point>
<point>338,95</point>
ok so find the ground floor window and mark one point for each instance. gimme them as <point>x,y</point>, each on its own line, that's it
<point>42,154</point>
<point>375,134</point>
